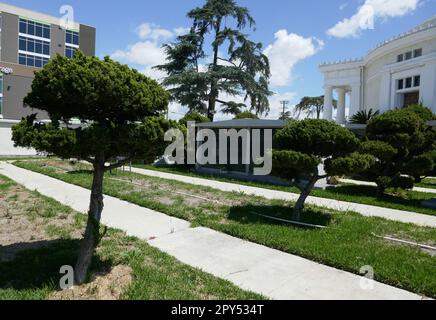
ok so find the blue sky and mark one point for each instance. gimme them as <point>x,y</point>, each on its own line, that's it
<point>296,32</point>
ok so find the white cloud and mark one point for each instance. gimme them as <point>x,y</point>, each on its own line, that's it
<point>148,52</point>
<point>181,31</point>
<point>144,53</point>
<point>154,32</point>
<point>368,13</point>
<point>286,51</point>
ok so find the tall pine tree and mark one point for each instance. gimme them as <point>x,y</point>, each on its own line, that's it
<point>237,67</point>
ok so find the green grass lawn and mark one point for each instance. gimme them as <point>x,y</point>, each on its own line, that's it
<point>427,183</point>
<point>395,199</point>
<point>348,243</point>
<point>33,273</point>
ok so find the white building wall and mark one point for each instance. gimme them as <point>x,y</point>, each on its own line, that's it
<point>428,92</point>
<point>372,81</point>
<point>7,148</point>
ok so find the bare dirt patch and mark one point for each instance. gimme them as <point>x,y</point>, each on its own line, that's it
<point>66,166</point>
<point>23,224</point>
<point>103,286</point>
<point>174,192</point>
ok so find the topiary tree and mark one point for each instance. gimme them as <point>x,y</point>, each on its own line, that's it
<point>398,140</point>
<point>302,146</point>
<point>119,110</point>
<point>429,148</point>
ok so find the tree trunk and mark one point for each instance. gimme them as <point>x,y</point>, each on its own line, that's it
<point>305,192</point>
<point>92,233</point>
<point>380,191</point>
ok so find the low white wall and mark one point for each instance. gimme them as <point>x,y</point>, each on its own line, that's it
<point>7,148</point>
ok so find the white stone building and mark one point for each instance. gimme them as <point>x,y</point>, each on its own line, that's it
<point>398,72</point>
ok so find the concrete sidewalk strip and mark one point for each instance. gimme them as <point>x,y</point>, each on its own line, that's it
<point>372,184</point>
<point>363,209</point>
<point>275,274</point>
<point>133,219</point>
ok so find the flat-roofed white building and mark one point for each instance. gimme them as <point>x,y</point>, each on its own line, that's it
<point>398,72</point>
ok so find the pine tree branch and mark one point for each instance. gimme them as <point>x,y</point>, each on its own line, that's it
<point>226,60</point>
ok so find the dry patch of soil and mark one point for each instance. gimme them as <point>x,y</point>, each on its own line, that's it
<point>24,221</point>
<point>103,286</point>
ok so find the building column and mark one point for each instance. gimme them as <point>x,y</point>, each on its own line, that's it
<point>427,87</point>
<point>340,118</point>
<point>355,100</point>
<point>328,103</point>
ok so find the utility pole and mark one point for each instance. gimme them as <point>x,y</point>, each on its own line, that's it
<point>285,104</point>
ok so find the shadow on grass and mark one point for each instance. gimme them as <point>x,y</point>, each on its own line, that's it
<point>250,215</point>
<point>429,185</point>
<point>369,191</point>
<point>36,265</point>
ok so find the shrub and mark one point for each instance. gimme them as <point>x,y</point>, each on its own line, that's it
<point>397,139</point>
<point>364,116</point>
<point>300,148</point>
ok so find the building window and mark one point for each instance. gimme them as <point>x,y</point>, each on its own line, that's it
<point>70,52</point>
<point>72,37</point>
<point>72,40</point>
<point>408,83</point>
<point>32,61</point>
<point>34,43</point>
<point>409,55</point>
<point>30,45</point>
<point>35,29</point>
<point>400,84</point>
<point>417,81</point>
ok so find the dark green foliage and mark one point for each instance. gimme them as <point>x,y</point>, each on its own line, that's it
<point>431,155</point>
<point>291,164</point>
<point>301,146</point>
<point>399,139</point>
<point>380,150</point>
<point>246,115</point>
<point>403,130</point>
<point>238,65</point>
<point>90,89</point>
<point>318,137</point>
<point>193,117</point>
<point>233,108</point>
<point>364,116</point>
<point>352,163</point>
<point>139,141</point>
<point>119,110</point>
<point>423,112</point>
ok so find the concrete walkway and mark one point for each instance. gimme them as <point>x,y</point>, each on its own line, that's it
<point>275,274</point>
<point>372,184</point>
<point>365,210</point>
